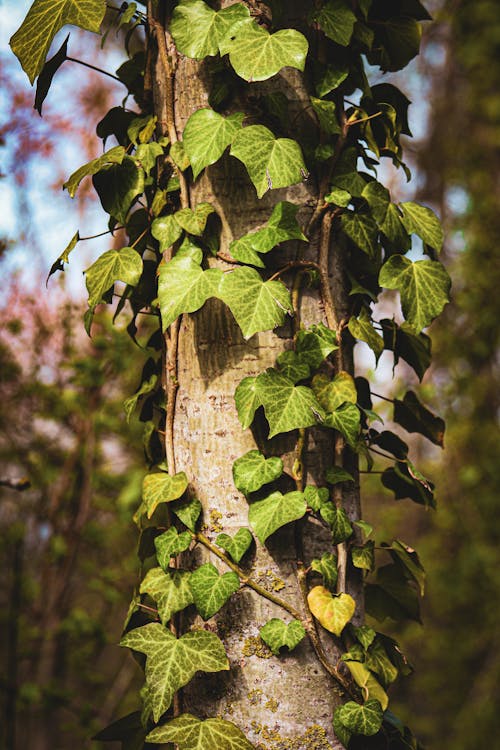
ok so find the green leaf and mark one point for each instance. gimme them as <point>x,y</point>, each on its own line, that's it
<point>48,72</point>
<point>371,687</point>
<point>141,129</point>
<point>333,393</point>
<point>405,484</point>
<point>338,197</point>
<point>366,719</point>
<point>170,544</point>
<point>378,199</point>
<point>338,521</point>
<point>188,511</point>
<point>253,470</point>
<point>197,29</point>
<point>282,226</point>
<point>336,474</point>
<point>58,264</point>
<point>190,733</point>
<point>257,305</point>
<point>246,400</point>
<point>365,635</point>
<point>361,229</point>
<point>179,156</point>
<point>114,265</point>
<point>327,567</point>
<point>424,288</point>
<point>341,732</point>
<point>327,118</point>
<point>346,420</point>
<point>337,21</point>
<point>377,661</point>
<point>194,222</point>
<point>115,155</point>
<point>257,55</point>
<point>315,344</point>
<point>169,589</point>
<point>212,590</point>
<point>166,230</point>
<point>415,417</point>
<point>268,515</point>
<point>147,386</point>
<point>278,634</point>
<point>159,487</point>
<point>415,349</point>
<point>330,79</point>
<point>316,497</point>
<point>270,162</point>
<point>117,187</point>
<point>207,135</point>
<point>423,221</point>
<point>286,406</point>
<point>346,176</point>
<point>45,18</point>
<point>291,366</point>
<point>333,612</point>
<point>362,329</point>
<point>394,230</point>
<point>410,561</point>
<point>237,545</point>
<point>184,287</point>
<point>397,41</point>
<point>171,663</point>
<point>146,155</point>
<point>364,557</point>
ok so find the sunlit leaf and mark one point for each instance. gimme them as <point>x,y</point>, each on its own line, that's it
<point>114,265</point>
<point>253,470</point>
<point>237,545</point>
<point>268,515</point>
<point>170,590</point>
<point>115,155</point>
<point>212,590</point>
<point>333,612</point>
<point>278,634</point>
<point>207,135</point>
<point>190,733</point>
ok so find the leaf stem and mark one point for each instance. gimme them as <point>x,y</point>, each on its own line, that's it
<point>93,67</point>
<point>384,398</point>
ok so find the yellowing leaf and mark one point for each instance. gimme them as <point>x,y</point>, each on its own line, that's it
<point>333,612</point>
<point>159,487</point>
<point>190,733</point>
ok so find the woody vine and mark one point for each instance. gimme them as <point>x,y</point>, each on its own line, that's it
<point>343,247</point>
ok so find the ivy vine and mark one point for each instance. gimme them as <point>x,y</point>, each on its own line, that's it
<point>172,264</point>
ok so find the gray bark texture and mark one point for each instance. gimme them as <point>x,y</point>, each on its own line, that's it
<point>286,702</point>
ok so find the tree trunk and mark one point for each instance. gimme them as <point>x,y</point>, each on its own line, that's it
<point>277,702</point>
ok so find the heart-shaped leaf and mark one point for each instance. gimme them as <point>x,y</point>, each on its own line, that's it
<point>361,719</point>
<point>268,515</point>
<point>333,612</point>
<point>212,590</point>
<point>237,545</point>
<point>170,590</point>
<point>253,470</point>
<point>278,634</point>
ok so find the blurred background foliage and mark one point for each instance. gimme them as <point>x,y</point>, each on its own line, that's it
<point>67,545</point>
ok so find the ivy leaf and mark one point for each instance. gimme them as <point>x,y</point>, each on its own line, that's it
<point>326,113</point>
<point>282,226</point>
<point>184,287</point>
<point>207,135</point>
<point>194,221</point>
<point>333,393</point>
<point>253,470</point>
<point>257,55</point>
<point>159,487</point>
<point>362,329</point>
<point>237,545</point>
<point>315,344</point>
<point>188,511</point>
<point>268,515</point>
<point>378,199</point>
<point>197,29</point>
<point>291,366</point>
<point>415,417</point>
<point>278,634</point>
<point>246,400</point>
<point>346,420</point>
<point>58,264</point>
<point>212,590</point>
<point>341,732</point>
<point>391,596</point>
<point>45,18</point>
<point>270,162</point>
<point>361,229</point>
<point>365,635</point>
<point>415,349</point>
<point>286,406</point>
<point>170,590</point>
<point>338,521</point>
<point>330,79</point>
<point>423,221</point>
<point>377,661</point>
<point>190,733</point>
<point>170,544</point>
<point>316,497</point>
<point>371,687</point>
<point>410,561</point>
<point>327,567</point>
<point>364,557</point>
<point>257,305</point>
<point>179,156</point>
<point>333,612</point>
<point>129,730</point>
<point>366,719</point>
<point>337,21</point>
<point>166,230</point>
<point>171,663</point>
<point>397,41</point>
<point>336,474</point>
<point>47,74</point>
<point>403,484</point>
<point>147,386</point>
<point>394,230</point>
<point>115,155</point>
<point>117,187</point>
<point>146,155</point>
<point>424,288</point>
<point>114,265</point>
